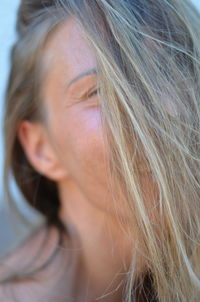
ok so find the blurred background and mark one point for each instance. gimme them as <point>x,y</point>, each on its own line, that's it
<point>12,231</point>
<point>8,10</point>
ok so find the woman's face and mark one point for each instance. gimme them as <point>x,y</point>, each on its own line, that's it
<point>73,112</point>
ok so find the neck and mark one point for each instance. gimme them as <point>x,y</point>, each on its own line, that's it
<point>104,248</point>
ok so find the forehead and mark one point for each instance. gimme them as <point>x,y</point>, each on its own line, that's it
<point>67,51</point>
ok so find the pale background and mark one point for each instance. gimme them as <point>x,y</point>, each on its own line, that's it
<point>8,10</point>
<point>12,230</point>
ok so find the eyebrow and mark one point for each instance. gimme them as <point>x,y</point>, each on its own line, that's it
<point>82,75</point>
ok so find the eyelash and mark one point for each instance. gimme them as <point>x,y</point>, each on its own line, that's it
<point>94,92</point>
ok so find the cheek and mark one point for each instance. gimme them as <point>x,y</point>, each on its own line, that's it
<point>79,139</point>
<point>87,143</point>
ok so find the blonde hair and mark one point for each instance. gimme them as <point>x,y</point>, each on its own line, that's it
<point>148,55</point>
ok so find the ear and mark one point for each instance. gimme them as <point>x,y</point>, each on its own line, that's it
<point>39,151</point>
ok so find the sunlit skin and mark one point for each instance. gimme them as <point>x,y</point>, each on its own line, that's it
<point>69,149</point>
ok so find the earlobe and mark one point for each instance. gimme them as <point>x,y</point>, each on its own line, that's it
<point>39,151</point>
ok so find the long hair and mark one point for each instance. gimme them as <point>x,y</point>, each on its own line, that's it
<point>148,61</point>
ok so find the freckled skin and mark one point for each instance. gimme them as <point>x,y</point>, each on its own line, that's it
<point>74,120</point>
<point>75,134</point>
<point>74,123</point>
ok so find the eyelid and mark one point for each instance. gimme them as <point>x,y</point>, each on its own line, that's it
<point>93,92</point>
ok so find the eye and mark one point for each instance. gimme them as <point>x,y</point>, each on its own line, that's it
<point>94,92</point>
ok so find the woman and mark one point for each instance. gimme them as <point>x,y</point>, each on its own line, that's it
<point>102,130</point>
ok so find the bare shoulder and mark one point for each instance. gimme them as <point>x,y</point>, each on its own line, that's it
<point>35,249</point>
<point>36,271</point>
